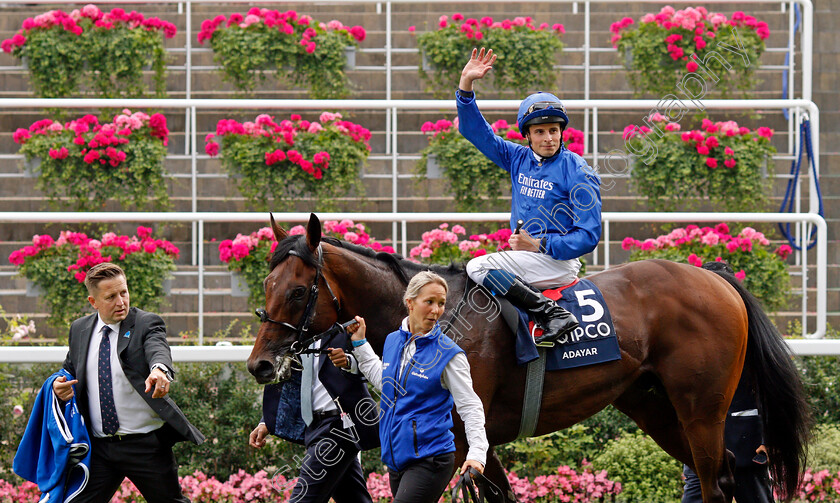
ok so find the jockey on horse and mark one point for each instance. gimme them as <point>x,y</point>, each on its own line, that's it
<point>555,198</point>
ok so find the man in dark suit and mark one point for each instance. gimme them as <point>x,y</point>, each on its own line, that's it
<point>123,369</point>
<point>743,436</point>
<point>340,419</point>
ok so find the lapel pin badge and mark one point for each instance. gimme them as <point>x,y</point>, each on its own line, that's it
<point>127,334</point>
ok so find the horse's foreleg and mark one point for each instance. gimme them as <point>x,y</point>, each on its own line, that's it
<point>494,471</point>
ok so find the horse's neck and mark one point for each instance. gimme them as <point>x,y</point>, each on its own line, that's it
<point>372,291</point>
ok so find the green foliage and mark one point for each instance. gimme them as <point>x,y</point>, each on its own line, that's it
<point>607,425</point>
<point>764,272</point>
<point>302,51</point>
<point>645,471</point>
<point>121,56</point>
<point>656,66</point>
<point>821,377</point>
<point>475,182</point>
<point>525,54</point>
<point>59,267</point>
<point>108,58</point>
<point>225,403</point>
<point>278,183</point>
<point>824,449</point>
<point>78,182</point>
<point>672,174</point>
<point>531,457</point>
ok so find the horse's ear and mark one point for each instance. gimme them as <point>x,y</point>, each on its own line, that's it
<point>313,232</point>
<point>279,233</point>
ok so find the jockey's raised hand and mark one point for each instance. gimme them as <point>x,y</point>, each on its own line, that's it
<point>476,68</point>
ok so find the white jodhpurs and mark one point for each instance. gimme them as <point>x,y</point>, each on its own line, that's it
<point>537,269</point>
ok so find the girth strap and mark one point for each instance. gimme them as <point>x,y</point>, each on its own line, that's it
<point>534,380</point>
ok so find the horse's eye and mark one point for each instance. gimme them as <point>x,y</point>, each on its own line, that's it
<point>298,293</point>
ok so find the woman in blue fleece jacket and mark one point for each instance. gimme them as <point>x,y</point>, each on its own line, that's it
<point>421,375</point>
<point>555,194</point>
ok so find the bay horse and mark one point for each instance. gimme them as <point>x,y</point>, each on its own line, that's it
<point>685,336</point>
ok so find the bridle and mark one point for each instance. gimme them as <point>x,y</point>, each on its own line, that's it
<point>301,331</point>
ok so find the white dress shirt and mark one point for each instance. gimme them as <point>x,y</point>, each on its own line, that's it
<point>455,377</point>
<point>133,412</point>
<point>321,399</point>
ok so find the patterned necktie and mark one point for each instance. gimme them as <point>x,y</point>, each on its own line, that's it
<point>110,423</point>
<point>306,388</point>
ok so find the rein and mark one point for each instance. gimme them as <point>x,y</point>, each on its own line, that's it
<point>301,345</point>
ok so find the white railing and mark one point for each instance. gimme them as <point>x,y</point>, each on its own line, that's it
<point>803,221</point>
<point>224,354</point>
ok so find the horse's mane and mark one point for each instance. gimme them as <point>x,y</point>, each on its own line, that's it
<point>404,269</point>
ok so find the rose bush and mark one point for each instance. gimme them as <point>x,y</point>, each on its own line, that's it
<point>301,50</point>
<point>761,268</point>
<point>58,266</point>
<point>249,254</point>
<point>526,54</point>
<point>664,47</point>
<point>282,162</point>
<point>720,162</point>
<point>91,162</point>
<point>107,50</point>
<point>472,179</point>
<point>444,246</point>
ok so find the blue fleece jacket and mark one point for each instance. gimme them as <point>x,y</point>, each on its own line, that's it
<point>55,449</point>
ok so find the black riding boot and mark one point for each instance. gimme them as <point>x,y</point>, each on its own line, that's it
<point>553,319</point>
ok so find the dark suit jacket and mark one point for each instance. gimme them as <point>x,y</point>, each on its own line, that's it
<point>141,343</point>
<point>349,389</point>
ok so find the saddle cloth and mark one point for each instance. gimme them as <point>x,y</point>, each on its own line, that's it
<point>593,342</point>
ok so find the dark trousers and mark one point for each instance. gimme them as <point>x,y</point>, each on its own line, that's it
<point>144,459</point>
<point>423,481</point>
<point>752,485</point>
<point>330,468</point>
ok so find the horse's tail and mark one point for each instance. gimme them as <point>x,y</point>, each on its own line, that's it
<point>785,413</point>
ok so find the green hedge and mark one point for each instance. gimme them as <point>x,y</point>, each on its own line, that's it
<point>645,471</point>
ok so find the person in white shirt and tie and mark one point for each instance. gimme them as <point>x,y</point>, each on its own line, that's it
<point>337,427</point>
<point>123,372</point>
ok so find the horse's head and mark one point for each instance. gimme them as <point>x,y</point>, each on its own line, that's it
<point>294,310</point>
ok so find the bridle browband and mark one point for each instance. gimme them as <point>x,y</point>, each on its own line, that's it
<point>302,330</point>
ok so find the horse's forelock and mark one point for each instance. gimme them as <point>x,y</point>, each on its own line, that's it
<point>296,244</point>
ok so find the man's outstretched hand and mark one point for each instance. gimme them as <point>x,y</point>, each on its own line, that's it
<point>476,68</point>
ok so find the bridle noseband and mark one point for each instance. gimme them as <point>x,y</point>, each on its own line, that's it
<point>302,330</point>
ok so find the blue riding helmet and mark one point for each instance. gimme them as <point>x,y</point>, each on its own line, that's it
<point>541,108</point>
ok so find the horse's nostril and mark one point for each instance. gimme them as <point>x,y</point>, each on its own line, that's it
<point>264,369</point>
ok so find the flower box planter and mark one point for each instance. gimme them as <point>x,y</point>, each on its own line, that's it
<point>66,53</point>
<point>720,163</point>
<point>60,266</point>
<point>31,167</point>
<point>349,58</point>
<point>282,162</point>
<point>303,51</point>
<point>762,269</point>
<point>433,171</point>
<point>447,49</point>
<point>82,164</point>
<point>664,49</point>
<point>238,285</point>
<point>33,289</point>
